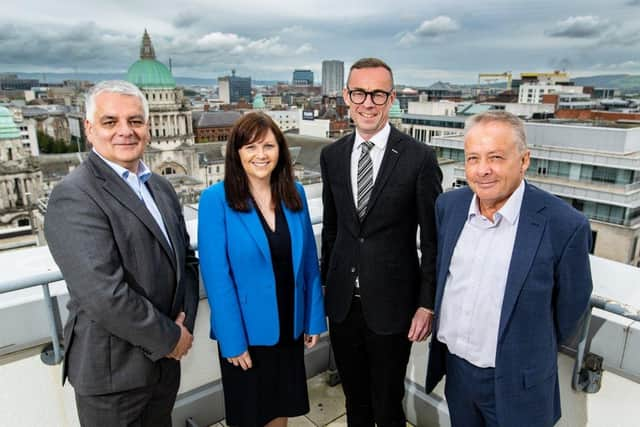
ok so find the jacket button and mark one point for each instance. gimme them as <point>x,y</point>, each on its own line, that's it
<point>361,240</point>
<point>353,269</point>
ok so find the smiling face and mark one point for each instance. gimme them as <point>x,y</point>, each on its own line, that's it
<point>118,130</point>
<point>260,157</point>
<point>369,117</point>
<point>494,166</point>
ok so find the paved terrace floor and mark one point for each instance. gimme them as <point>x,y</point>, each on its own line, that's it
<point>326,403</point>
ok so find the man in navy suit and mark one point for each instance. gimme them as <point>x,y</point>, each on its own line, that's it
<point>513,281</point>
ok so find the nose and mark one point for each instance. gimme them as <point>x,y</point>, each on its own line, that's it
<point>124,128</point>
<point>484,168</point>
<point>368,100</point>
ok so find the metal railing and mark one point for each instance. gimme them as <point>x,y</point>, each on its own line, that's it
<point>584,366</point>
<point>587,367</point>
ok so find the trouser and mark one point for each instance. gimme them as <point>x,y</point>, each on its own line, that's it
<point>372,369</point>
<point>142,407</point>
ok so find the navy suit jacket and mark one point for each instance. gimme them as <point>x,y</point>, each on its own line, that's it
<point>239,279</point>
<point>547,292</point>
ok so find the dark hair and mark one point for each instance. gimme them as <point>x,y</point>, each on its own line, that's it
<point>370,63</point>
<point>251,127</point>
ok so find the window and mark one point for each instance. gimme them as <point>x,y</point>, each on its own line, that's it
<point>23,222</point>
<point>168,171</point>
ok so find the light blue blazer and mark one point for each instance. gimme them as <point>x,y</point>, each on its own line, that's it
<point>235,263</point>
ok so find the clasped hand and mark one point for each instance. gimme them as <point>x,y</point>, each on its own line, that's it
<point>185,342</point>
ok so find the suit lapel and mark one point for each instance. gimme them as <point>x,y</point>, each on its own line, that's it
<point>295,232</point>
<point>530,229</point>
<point>164,206</point>
<point>345,159</point>
<point>254,227</point>
<point>453,225</point>
<point>120,191</point>
<point>389,160</point>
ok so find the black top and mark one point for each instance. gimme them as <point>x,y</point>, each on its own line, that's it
<point>282,261</point>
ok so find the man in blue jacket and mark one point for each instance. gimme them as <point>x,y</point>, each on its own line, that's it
<point>513,281</point>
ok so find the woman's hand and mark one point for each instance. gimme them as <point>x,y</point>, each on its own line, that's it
<point>310,340</point>
<point>244,360</point>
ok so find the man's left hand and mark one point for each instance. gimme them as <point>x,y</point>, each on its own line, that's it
<point>420,325</point>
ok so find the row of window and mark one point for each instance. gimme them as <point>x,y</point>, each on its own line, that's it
<point>167,96</point>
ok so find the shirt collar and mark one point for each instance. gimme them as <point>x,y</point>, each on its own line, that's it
<point>510,211</point>
<point>379,139</point>
<point>143,171</point>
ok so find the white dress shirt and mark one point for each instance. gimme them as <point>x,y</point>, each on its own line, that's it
<point>377,153</point>
<point>476,281</point>
<point>136,182</point>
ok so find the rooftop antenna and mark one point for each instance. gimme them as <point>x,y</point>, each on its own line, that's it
<point>170,65</point>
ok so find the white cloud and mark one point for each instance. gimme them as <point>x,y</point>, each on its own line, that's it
<point>220,40</point>
<point>428,29</point>
<point>305,48</point>
<point>579,27</point>
<point>437,26</point>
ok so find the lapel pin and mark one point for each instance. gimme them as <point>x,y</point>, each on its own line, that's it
<point>394,150</point>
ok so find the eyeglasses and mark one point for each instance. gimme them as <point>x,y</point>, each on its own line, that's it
<point>378,97</point>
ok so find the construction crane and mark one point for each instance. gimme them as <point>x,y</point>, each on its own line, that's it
<point>496,76</point>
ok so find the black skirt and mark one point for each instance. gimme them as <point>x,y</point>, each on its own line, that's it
<point>274,387</point>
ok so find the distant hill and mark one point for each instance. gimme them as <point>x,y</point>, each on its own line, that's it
<point>624,82</point>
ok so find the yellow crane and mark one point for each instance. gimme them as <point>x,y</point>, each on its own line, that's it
<point>496,76</point>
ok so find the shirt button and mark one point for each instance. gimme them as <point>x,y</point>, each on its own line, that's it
<point>353,269</point>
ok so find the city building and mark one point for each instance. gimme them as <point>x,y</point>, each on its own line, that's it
<point>171,149</point>
<point>212,126</point>
<point>285,119</point>
<point>302,78</point>
<point>233,89</point>
<point>596,169</point>
<point>20,188</point>
<point>27,129</point>
<point>10,81</point>
<point>332,77</point>
<point>534,86</point>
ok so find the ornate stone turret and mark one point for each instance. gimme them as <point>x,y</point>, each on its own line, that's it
<point>146,50</point>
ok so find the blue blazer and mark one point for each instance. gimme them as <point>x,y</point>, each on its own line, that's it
<point>238,274</point>
<point>547,292</point>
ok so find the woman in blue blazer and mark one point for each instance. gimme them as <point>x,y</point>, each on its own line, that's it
<point>260,268</point>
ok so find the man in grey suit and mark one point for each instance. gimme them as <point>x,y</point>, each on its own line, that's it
<point>117,233</point>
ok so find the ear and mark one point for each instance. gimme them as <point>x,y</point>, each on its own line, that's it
<point>526,160</point>
<point>345,97</point>
<point>88,129</point>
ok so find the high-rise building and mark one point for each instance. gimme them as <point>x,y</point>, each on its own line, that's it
<point>302,78</point>
<point>232,89</point>
<point>332,77</point>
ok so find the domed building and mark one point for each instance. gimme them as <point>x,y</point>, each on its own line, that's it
<point>258,102</point>
<point>171,151</point>
<point>395,114</point>
<point>20,187</point>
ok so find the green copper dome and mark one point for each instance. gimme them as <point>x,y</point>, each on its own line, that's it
<point>395,112</point>
<point>147,72</point>
<point>8,129</point>
<point>258,102</point>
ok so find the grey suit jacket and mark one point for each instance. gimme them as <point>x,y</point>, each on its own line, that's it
<point>126,284</point>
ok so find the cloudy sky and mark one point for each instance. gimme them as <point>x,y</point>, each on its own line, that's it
<point>423,40</point>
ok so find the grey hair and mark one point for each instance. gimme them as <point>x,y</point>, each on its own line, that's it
<point>501,116</point>
<point>113,86</point>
